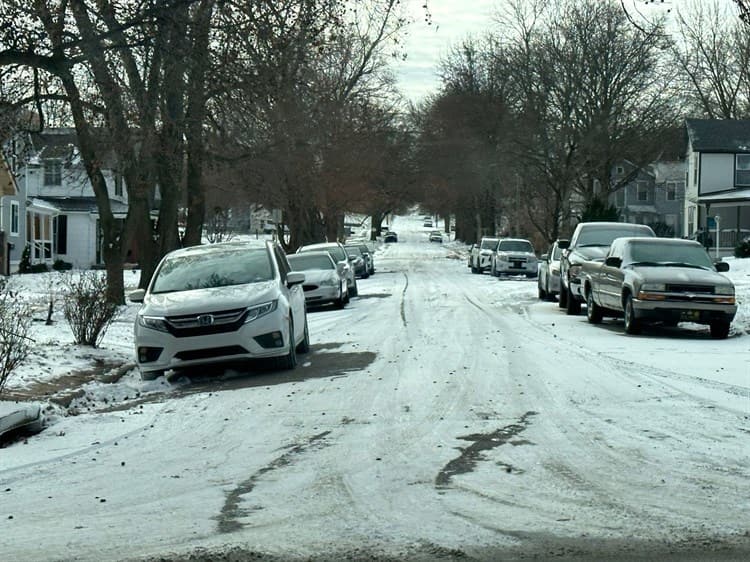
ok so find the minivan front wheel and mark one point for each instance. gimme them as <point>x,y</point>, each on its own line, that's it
<point>289,361</point>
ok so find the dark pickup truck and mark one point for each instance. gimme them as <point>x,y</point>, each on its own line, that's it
<point>659,280</point>
<point>590,240</point>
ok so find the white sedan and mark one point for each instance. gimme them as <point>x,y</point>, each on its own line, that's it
<point>325,282</point>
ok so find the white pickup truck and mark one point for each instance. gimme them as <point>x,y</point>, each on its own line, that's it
<point>480,255</point>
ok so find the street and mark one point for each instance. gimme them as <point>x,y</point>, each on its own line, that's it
<point>441,415</point>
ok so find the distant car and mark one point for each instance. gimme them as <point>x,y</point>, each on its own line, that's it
<point>436,236</point>
<point>369,256</point>
<point>480,255</point>
<point>219,303</point>
<point>338,253</point>
<point>548,280</point>
<point>325,281</point>
<point>514,256</point>
<point>358,261</point>
<point>427,223</point>
<point>390,236</point>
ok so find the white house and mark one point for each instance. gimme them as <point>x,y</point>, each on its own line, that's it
<point>60,219</point>
<point>718,180</point>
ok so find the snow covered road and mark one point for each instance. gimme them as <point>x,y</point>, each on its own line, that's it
<point>441,415</point>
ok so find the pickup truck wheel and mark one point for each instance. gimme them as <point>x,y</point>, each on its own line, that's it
<point>632,324</point>
<point>542,293</point>
<point>593,310</point>
<point>562,298</point>
<point>719,329</point>
<point>573,306</point>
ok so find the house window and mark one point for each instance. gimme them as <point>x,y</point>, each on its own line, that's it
<point>672,188</point>
<point>620,198</point>
<point>691,220</point>
<point>118,185</point>
<point>695,170</point>
<point>15,209</point>
<point>742,169</point>
<point>53,172</point>
<point>619,170</point>
<point>642,191</point>
<point>60,227</point>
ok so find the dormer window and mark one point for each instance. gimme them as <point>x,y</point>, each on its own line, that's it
<point>742,169</point>
<point>52,172</point>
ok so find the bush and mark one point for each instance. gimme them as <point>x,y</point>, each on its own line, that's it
<point>61,265</point>
<point>86,308</point>
<point>742,250</point>
<point>24,266</point>
<point>15,320</point>
<point>39,268</point>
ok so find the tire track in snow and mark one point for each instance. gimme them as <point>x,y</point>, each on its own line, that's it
<point>403,300</point>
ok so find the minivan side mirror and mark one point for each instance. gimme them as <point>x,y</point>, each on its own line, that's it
<point>294,278</point>
<point>613,261</point>
<point>137,295</point>
<point>563,244</point>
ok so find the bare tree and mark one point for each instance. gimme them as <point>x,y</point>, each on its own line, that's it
<point>713,53</point>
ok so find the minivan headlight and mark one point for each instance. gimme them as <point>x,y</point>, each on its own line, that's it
<point>254,312</point>
<point>153,322</point>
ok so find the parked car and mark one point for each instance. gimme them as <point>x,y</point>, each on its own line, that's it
<point>436,236</point>
<point>548,280</point>
<point>480,255</point>
<point>358,261</point>
<point>390,236</point>
<point>514,256</point>
<point>427,223</point>
<point>590,240</point>
<point>367,255</point>
<point>218,303</point>
<point>659,280</point>
<point>338,253</point>
<point>325,281</point>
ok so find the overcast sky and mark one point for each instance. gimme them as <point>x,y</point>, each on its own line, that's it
<point>453,21</point>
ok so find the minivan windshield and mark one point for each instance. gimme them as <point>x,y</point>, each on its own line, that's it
<point>220,268</point>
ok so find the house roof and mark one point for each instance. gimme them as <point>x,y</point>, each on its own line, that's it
<point>736,195</point>
<point>62,143</point>
<point>84,205</point>
<point>719,135</point>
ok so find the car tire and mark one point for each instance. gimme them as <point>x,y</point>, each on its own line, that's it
<point>572,306</point>
<point>289,361</point>
<point>304,345</point>
<point>719,329</point>
<point>354,291</point>
<point>593,311</point>
<point>541,293</point>
<point>151,375</point>
<point>562,298</point>
<point>341,301</point>
<point>632,324</point>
